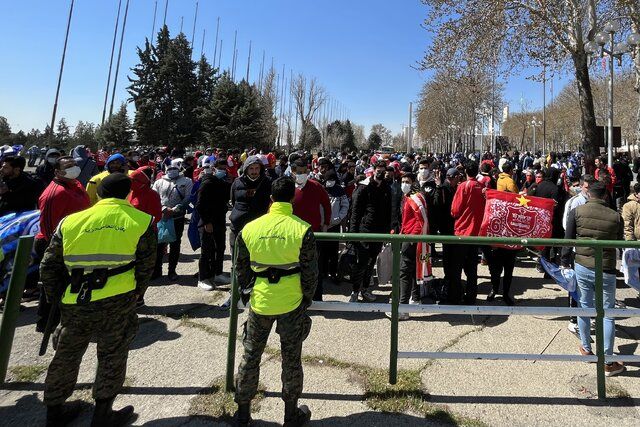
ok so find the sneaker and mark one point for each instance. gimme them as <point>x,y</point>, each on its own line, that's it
<point>614,369</point>
<point>226,305</point>
<point>412,302</point>
<point>353,297</point>
<point>585,352</point>
<point>206,285</point>
<point>573,328</point>
<point>404,316</point>
<point>222,279</point>
<point>366,294</point>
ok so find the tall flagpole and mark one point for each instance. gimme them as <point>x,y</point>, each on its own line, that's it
<point>64,54</point>
<point>249,61</point>
<point>153,29</point>
<point>220,55</point>
<point>193,33</point>
<point>261,73</point>
<point>233,61</point>
<point>113,49</point>
<point>115,78</point>
<point>166,7</point>
<point>215,47</point>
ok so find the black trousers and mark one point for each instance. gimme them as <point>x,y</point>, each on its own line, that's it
<point>367,253</point>
<point>328,255</point>
<point>408,284</point>
<point>463,257</point>
<point>174,249</point>
<point>212,252</point>
<point>501,260</point>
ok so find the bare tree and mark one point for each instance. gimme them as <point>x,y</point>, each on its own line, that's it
<point>308,97</point>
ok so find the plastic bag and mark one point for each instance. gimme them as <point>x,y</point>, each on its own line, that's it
<point>166,231</point>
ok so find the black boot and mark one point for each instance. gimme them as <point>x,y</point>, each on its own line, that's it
<point>491,296</point>
<point>61,415</point>
<point>105,416</point>
<point>294,416</point>
<point>243,415</point>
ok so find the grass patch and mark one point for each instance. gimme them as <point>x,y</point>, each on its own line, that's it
<point>214,403</point>
<point>616,391</point>
<point>186,321</point>
<point>27,373</point>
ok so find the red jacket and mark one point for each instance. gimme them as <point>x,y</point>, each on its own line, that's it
<point>467,208</point>
<point>613,178</point>
<point>412,219</point>
<point>142,197</point>
<point>57,201</point>
<point>311,204</point>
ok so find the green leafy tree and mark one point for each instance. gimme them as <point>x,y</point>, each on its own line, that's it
<point>374,141</point>
<point>117,131</point>
<point>5,131</point>
<point>20,138</point>
<point>85,134</point>
<point>34,137</point>
<point>63,134</point>
<point>310,138</point>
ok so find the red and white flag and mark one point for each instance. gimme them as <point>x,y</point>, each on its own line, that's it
<point>515,215</point>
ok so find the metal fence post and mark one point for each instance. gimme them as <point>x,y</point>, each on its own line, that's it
<point>395,302</point>
<point>233,324</point>
<point>12,302</point>
<point>602,389</point>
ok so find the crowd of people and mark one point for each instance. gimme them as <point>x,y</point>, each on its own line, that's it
<point>409,194</point>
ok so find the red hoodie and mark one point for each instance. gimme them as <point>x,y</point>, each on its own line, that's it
<point>142,197</point>
<point>309,202</point>
<point>467,208</point>
<point>57,201</point>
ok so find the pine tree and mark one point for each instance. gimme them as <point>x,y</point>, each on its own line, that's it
<point>85,134</point>
<point>63,134</point>
<point>310,137</point>
<point>116,132</point>
<point>5,131</point>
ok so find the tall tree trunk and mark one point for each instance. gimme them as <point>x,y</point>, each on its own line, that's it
<point>588,117</point>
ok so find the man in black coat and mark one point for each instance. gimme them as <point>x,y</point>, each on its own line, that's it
<point>370,213</point>
<point>212,206</point>
<point>18,191</point>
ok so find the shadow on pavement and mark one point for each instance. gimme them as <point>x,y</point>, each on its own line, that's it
<point>150,331</point>
<point>534,400</point>
<point>29,410</point>
<point>177,311</point>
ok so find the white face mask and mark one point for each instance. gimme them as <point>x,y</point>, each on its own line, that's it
<point>52,160</point>
<point>72,172</point>
<point>135,158</point>
<point>423,173</point>
<point>330,184</point>
<point>173,173</point>
<point>301,179</point>
<point>406,187</point>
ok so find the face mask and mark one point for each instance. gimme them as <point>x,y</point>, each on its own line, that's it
<point>330,184</point>
<point>173,173</point>
<point>301,179</point>
<point>207,170</point>
<point>72,172</point>
<point>52,160</point>
<point>253,179</point>
<point>380,175</point>
<point>406,187</point>
<point>423,173</point>
<point>135,158</point>
<point>221,174</point>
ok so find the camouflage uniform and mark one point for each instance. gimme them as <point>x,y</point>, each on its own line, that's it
<point>293,327</point>
<point>112,320</point>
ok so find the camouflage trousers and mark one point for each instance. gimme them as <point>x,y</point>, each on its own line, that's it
<point>293,328</point>
<point>114,323</point>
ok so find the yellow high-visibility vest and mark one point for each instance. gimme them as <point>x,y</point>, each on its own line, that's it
<point>274,240</point>
<point>103,236</point>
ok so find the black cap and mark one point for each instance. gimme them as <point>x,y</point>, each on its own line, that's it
<point>116,185</point>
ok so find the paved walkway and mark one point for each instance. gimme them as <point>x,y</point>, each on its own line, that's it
<point>177,365</point>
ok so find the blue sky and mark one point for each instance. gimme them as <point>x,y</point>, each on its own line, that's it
<point>361,51</point>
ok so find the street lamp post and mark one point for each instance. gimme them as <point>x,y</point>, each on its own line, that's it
<point>615,50</point>
<point>534,124</point>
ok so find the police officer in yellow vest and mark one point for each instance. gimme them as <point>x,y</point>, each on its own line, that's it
<point>100,261</point>
<point>277,264</point>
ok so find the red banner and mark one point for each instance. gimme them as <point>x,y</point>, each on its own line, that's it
<point>515,215</point>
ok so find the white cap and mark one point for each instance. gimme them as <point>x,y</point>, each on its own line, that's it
<point>177,163</point>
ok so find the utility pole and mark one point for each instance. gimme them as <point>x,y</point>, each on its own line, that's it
<point>64,54</point>
<point>544,108</point>
<point>249,61</point>
<point>113,49</point>
<point>215,47</point>
<point>115,78</point>
<point>153,29</point>
<point>409,127</point>
<point>193,32</point>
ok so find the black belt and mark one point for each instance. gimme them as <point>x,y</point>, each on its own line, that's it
<point>82,284</point>
<point>274,274</point>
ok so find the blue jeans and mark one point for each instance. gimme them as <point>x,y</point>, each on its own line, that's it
<point>586,284</point>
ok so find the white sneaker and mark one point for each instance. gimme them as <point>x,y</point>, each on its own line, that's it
<point>404,316</point>
<point>222,279</point>
<point>412,302</point>
<point>573,328</point>
<point>353,297</point>
<point>206,285</point>
<point>366,294</point>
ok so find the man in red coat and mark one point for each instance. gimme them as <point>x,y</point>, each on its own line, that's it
<point>311,204</point>
<point>467,209</point>
<point>63,196</point>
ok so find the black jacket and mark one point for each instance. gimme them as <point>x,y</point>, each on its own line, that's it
<point>371,208</point>
<point>45,173</point>
<point>250,199</point>
<point>441,208</point>
<point>549,190</point>
<point>22,194</point>
<point>213,200</point>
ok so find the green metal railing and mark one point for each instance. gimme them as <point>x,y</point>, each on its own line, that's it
<point>396,242</point>
<point>12,302</point>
